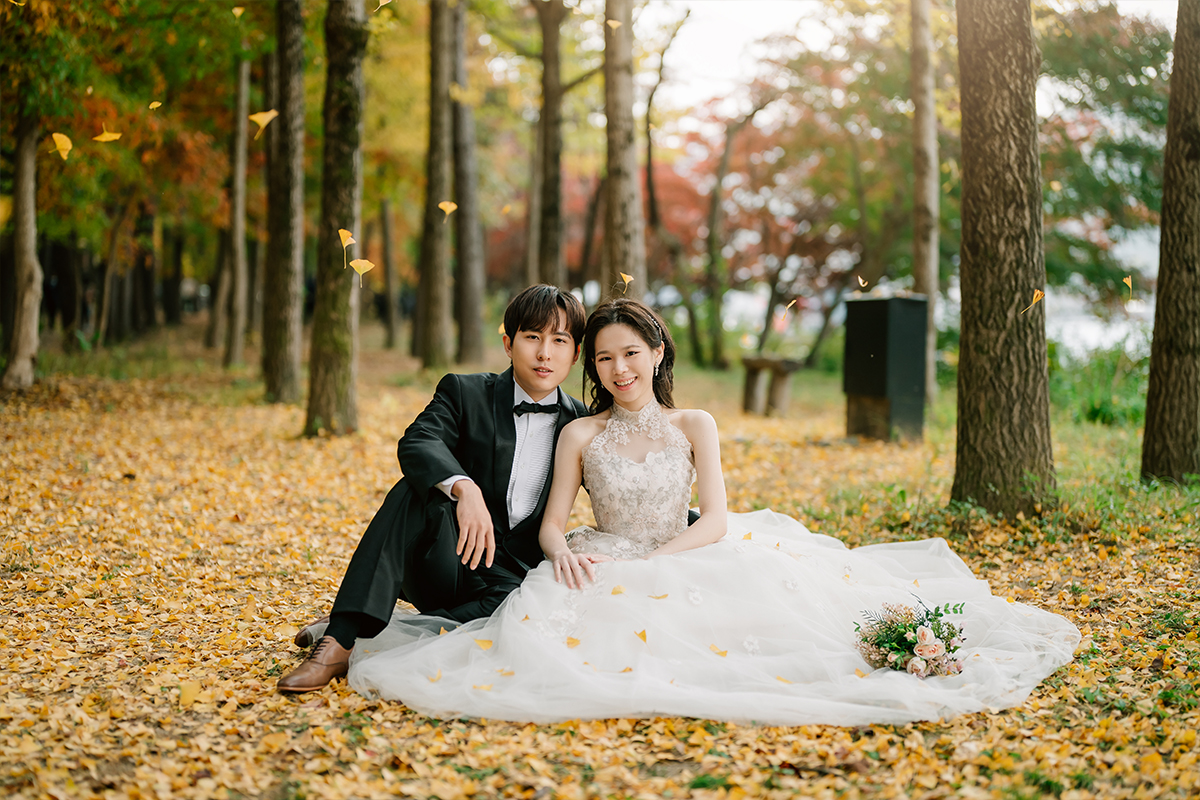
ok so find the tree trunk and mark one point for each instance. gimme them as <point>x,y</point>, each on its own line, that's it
<point>468,232</point>
<point>926,184</point>
<point>70,285</point>
<point>552,266</point>
<point>1004,460</point>
<point>218,312</point>
<point>587,262</point>
<point>284,277</point>
<point>333,363</point>
<point>173,280</point>
<point>434,267</point>
<point>8,291</point>
<point>814,352</point>
<point>1171,443</point>
<point>716,261</point>
<point>389,274</point>
<point>625,226</point>
<point>533,223</point>
<point>108,276</point>
<point>235,345</point>
<point>23,350</point>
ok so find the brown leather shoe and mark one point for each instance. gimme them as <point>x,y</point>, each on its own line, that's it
<point>306,637</point>
<point>327,661</point>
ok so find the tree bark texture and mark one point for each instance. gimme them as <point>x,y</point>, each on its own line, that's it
<point>552,265</point>
<point>434,294</point>
<point>390,287</point>
<point>239,284</point>
<point>218,311</point>
<point>284,278</point>
<point>625,225</point>
<point>533,222</point>
<point>926,183</point>
<point>1004,459</point>
<point>173,279</point>
<point>110,276</point>
<point>469,281</point>
<point>333,363</point>
<point>716,261</point>
<point>1171,443</point>
<point>23,350</point>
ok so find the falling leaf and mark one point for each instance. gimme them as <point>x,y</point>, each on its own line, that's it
<point>1128,281</point>
<point>718,651</point>
<point>859,673</point>
<point>640,634</point>
<point>361,265</point>
<point>782,679</point>
<point>187,692</point>
<point>1055,186</point>
<point>155,104</point>
<point>613,23</point>
<point>15,3</point>
<point>572,641</point>
<point>627,669</point>
<point>748,535</point>
<point>628,280</point>
<point>62,145</point>
<point>657,596</point>
<point>618,590</point>
<point>1038,294</point>
<point>484,644</point>
<point>448,207</point>
<point>789,305</point>
<point>861,282</point>
<point>487,687</point>
<point>106,135</point>
<point>262,119</point>
<point>437,677</point>
<point>507,208</point>
<point>442,632</point>
<point>382,3</point>
<point>347,240</point>
<point>238,11</point>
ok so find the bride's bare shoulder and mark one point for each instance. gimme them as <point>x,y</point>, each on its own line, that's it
<point>692,421</point>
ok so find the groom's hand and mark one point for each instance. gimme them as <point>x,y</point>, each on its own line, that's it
<point>476,537</point>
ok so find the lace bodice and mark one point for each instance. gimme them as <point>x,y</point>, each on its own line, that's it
<point>638,472</point>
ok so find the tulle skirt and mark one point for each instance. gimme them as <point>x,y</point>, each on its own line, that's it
<point>755,629</point>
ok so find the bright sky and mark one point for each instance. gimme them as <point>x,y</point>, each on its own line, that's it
<point>712,55</point>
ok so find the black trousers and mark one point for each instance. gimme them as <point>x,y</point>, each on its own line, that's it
<point>407,553</point>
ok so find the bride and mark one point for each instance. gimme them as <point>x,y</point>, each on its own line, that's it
<point>742,617</point>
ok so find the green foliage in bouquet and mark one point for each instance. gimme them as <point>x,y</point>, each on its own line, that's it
<point>920,641</point>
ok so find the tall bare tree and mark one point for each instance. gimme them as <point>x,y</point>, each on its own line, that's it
<point>284,275</point>
<point>469,280</point>
<point>389,273</point>
<point>925,180</point>
<point>1004,459</point>
<point>1171,443</point>
<point>625,227</point>
<point>333,362</point>
<point>432,328</point>
<point>23,350</point>
<point>551,261</point>
<point>235,342</point>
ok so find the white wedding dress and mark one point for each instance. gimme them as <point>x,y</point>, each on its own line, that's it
<point>757,628</point>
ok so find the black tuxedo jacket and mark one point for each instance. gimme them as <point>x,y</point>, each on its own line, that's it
<point>468,429</point>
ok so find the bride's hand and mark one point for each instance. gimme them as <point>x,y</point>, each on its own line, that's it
<point>573,566</point>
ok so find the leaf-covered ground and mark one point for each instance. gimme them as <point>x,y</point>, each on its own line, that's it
<point>161,539</point>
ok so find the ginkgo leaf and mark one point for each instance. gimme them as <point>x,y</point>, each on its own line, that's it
<point>782,679</point>
<point>250,611</point>
<point>748,535</point>
<point>618,590</point>
<point>640,634</point>
<point>187,692</point>
<point>382,3</point>
<point>613,23</point>
<point>861,282</point>
<point>262,119</point>
<point>238,11</point>
<point>916,583</point>
<point>106,135</point>
<point>501,329</point>
<point>859,673</point>
<point>15,3</point>
<point>526,618</point>
<point>628,280</point>
<point>449,207</point>
<point>789,305</point>
<point>507,673</point>
<point>1038,294</point>
<point>361,265</point>
<point>657,596</point>
<point>486,687</point>
<point>346,236</point>
<point>572,641</point>
<point>718,651</point>
<point>1128,281</point>
<point>443,632</point>
<point>484,644</point>
<point>155,104</point>
<point>507,208</point>
<point>437,677</point>
<point>62,145</point>
<point>627,669</point>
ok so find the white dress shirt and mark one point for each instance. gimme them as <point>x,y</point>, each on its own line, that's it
<point>531,457</point>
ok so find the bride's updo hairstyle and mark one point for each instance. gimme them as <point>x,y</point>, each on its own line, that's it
<point>653,331</point>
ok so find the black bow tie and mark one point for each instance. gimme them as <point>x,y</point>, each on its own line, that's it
<point>535,408</point>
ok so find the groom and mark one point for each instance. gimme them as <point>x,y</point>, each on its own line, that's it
<point>459,531</point>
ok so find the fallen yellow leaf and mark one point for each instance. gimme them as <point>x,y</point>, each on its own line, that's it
<point>187,693</point>
<point>572,641</point>
<point>484,644</point>
<point>748,535</point>
<point>251,609</point>
<point>437,677</point>
<point>627,669</point>
<point>641,635</point>
<point>859,673</point>
<point>526,619</point>
<point>618,590</point>
<point>487,687</point>
<point>442,632</point>
<point>782,679</point>
<point>506,672</point>
<point>657,596</point>
<point>718,651</point>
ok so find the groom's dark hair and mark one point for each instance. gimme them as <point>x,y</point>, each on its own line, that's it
<point>539,307</point>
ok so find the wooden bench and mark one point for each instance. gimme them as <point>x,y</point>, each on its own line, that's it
<point>760,398</point>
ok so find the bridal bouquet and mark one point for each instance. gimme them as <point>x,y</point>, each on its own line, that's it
<point>919,641</point>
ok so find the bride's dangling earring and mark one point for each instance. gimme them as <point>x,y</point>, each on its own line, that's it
<point>656,370</point>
